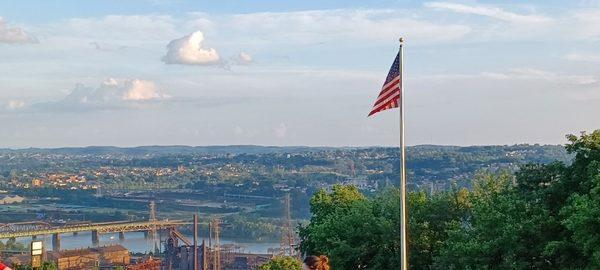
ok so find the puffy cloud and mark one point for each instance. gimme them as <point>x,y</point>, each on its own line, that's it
<point>188,50</point>
<point>142,90</point>
<point>243,59</point>
<point>15,104</point>
<point>488,11</point>
<point>113,91</point>
<point>14,35</point>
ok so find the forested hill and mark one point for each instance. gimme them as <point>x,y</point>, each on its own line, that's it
<point>168,150</point>
<point>534,153</point>
<point>438,164</point>
<point>427,164</point>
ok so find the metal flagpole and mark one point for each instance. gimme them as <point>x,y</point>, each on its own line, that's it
<point>403,234</point>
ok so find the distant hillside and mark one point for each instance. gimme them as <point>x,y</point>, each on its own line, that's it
<point>169,150</point>
<point>237,169</point>
<point>534,153</point>
<point>430,163</point>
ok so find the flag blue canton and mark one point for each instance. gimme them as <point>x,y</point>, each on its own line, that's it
<point>390,92</point>
<point>394,70</point>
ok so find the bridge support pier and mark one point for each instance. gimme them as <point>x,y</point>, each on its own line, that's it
<point>121,236</point>
<point>34,237</point>
<point>95,238</point>
<point>75,233</point>
<point>56,242</point>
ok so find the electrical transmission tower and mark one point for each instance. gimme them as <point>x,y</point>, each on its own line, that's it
<point>98,192</point>
<point>286,247</point>
<point>215,226</point>
<point>152,218</point>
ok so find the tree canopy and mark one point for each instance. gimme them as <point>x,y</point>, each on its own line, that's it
<point>282,263</point>
<point>544,216</point>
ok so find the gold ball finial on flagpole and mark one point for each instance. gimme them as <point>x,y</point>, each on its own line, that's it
<point>401,40</point>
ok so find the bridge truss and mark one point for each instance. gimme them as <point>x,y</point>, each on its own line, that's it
<point>28,229</point>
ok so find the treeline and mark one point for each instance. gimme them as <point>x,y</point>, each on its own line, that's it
<point>541,217</point>
<point>12,245</point>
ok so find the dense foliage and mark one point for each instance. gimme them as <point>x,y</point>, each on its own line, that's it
<point>45,266</point>
<point>282,263</point>
<point>545,216</point>
<point>12,245</point>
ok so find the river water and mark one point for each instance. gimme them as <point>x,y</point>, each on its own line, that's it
<point>137,243</point>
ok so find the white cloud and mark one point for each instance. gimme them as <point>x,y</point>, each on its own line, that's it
<point>539,74</point>
<point>532,82</point>
<point>188,50</point>
<point>309,27</point>
<point>15,104</point>
<point>523,74</point>
<point>489,11</point>
<point>243,59</point>
<point>14,35</point>
<point>583,57</point>
<point>141,90</point>
<point>114,91</point>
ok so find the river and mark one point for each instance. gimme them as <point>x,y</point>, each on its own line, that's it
<point>135,242</point>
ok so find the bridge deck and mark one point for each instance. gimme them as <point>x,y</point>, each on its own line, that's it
<point>100,227</point>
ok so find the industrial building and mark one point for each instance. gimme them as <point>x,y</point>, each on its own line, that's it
<point>106,257</point>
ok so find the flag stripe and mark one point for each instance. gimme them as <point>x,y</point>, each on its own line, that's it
<point>380,106</point>
<point>390,91</point>
<point>395,88</point>
<point>389,86</point>
<point>389,100</point>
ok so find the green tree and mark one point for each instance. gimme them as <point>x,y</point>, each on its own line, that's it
<point>351,230</point>
<point>548,219</point>
<point>45,266</point>
<point>429,216</point>
<point>12,244</point>
<point>282,263</point>
<point>501,230</point>
<point>323,205</point>
<point>342,197</point>
<point>363,234</point>
<point>581,214</point>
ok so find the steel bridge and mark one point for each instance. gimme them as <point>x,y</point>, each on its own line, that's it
<point>36,228</point>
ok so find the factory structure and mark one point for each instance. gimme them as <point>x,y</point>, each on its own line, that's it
<point>179,253</point>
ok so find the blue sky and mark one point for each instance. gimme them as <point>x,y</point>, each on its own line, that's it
<point>125,73</point>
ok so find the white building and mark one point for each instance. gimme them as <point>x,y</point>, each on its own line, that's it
<point>8,199</point>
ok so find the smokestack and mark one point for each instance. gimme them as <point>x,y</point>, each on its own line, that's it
<point>196,242</point>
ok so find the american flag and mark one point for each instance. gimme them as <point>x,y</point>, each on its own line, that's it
<point>390,92</point>
<point>4,267</point>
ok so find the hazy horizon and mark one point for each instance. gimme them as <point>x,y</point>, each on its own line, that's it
<point>278,146</point>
